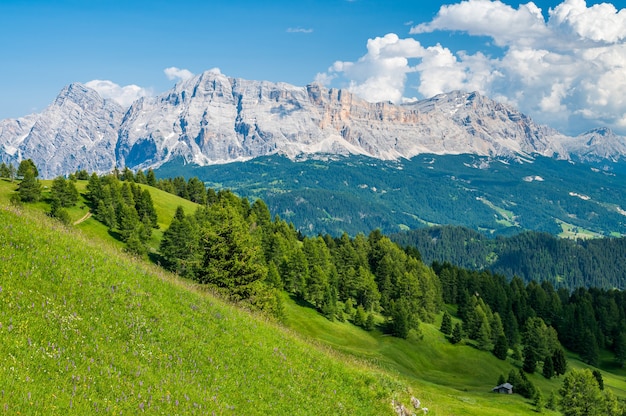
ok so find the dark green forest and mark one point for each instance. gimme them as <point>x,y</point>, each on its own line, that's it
<point>355,194</point>
<point>531,256</point>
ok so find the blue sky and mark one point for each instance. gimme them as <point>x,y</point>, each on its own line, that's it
<point>566,68</point>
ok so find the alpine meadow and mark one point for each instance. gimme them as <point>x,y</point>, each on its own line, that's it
<point>346,207</point>
<point>254,317</point>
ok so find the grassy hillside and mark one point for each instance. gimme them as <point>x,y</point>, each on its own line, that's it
<point>85,329</point>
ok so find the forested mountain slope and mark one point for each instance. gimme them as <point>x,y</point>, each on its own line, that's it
<point>534,256</point>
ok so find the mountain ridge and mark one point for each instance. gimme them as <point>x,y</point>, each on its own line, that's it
<point>215,119</point>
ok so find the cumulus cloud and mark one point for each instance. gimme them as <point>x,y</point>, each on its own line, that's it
<point>568,70</point>
<point>174,73</point>
<point>124,96</point>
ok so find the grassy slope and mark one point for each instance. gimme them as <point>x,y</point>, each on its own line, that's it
<point>448,379</point>
<point>86,329</point>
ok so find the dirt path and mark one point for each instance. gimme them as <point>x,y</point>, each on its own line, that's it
<point>85,217</point>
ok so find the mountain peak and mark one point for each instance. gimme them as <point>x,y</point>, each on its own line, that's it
<point>211,118</point>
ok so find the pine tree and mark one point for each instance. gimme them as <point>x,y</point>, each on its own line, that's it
<point>589,351</point>
<point>598,376</point>
<point>180,244</point>
<point>94,190</point>
<point>360,317</point>
<point>446,323</point>
<point>196,191</point>
<point>4,171</point>
<point>316,285</point>
<point>619,346</point>
<point>29,188</point>
<point>559,362</point>
<point>548,367</point>
<point>25,166</point>
<point>457,334</point>
<point>151,178</point>
<point>140,177</point>
<point>63,194</point>
<point>127,221</point>
<point>400,321</point>
<point>370,322</point>
<point>484,335</point>
<point>581,395</point>
<point>145,208</point>
<point>501,349</point>
<point>539,402</point>
<point>231,260</point>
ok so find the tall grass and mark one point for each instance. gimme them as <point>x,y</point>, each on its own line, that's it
<point>84,329</point>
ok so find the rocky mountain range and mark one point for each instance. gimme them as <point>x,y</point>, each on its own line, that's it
<point>214,119</point>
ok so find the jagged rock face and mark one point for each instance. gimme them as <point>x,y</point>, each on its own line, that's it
<point>212,119</point>
<point>77,131</point>
<point>597,145</point>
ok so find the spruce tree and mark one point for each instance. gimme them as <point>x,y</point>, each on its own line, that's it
<point>180,244</point>
<point>501,349</point>
<point>548,367</point>
<point>457,334</point>
<point>27,165</point>
<point>581,395</point>
<point>151,178</point>
<point>29,188</point>
<point>589,351</point>
<point>619,347</point>
<point>598,376</point>
<point>446,323</point>
<point>94,190</point>
<point>230,258</point>
<point>4,171</point>
<point>559,362</point>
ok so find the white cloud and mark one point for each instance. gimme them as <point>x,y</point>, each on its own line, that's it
<point>568,70</point>
<point>299,30</point>
<point>174,73</point>
<point>124,96</point>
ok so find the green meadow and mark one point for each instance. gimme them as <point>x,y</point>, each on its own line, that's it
<point>87,329</point>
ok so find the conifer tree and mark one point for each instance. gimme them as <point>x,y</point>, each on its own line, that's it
<point>501,349</point>
<point>619,347</point>
<point>589,351</point>
<point>63,194</point>
<point>231,260</point>
<point>559,362</point>
<point>151,178</point>
<point>581,395</point>
<point>180,244</point>
<point>127,221</point>
<point>94,190</point>
<point>4,171</point>
<point>145,208</point>
<point>196,191</point>
<point>29,188</point>
<point>27,165</point>
<point>140,177</point>
<point>446,323</point>
<point>457,334</point>
<point>548,367</point>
